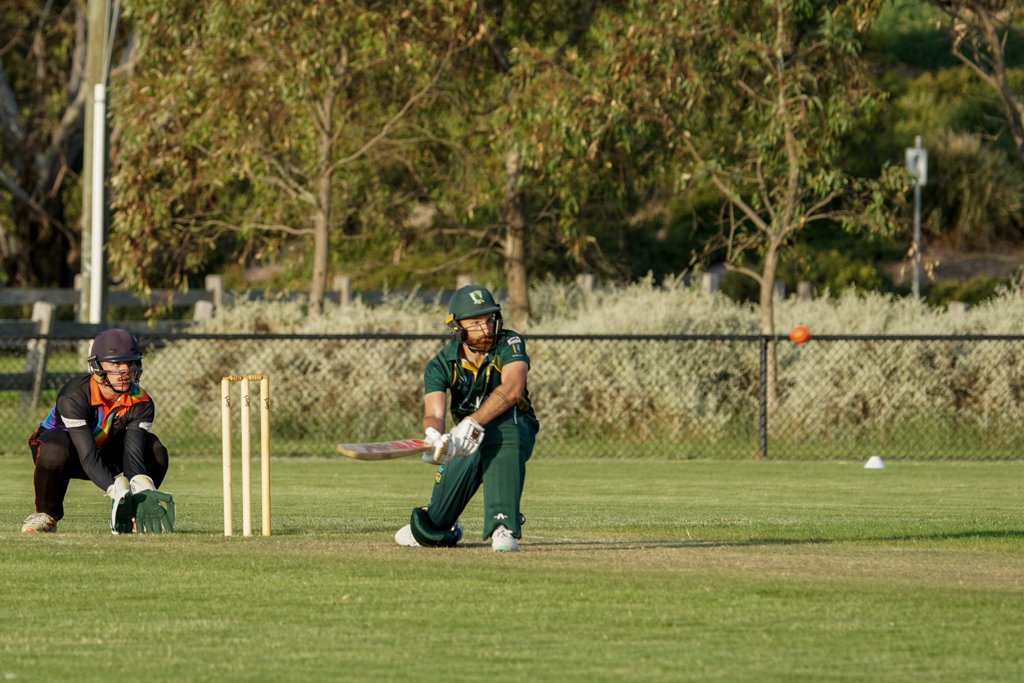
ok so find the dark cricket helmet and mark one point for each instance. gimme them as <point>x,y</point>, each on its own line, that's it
<point>115,346</point>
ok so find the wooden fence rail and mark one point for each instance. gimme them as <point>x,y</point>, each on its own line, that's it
<point>41,327</point>
<point>204,302</point>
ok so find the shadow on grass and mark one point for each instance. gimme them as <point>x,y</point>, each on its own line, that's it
<point>589,544</point>
<point>626,544</point>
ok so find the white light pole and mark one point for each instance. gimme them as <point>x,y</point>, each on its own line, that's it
<point>97,272</point>
<point>101,26</point>
<point>917,165</point>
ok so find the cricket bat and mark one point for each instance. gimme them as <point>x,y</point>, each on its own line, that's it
<point>384,450</point>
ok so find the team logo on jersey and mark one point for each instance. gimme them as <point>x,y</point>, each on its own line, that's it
<point>517,344</point>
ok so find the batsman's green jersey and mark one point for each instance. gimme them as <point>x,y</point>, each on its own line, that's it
<point>500,463</point>
<point>469,386</point>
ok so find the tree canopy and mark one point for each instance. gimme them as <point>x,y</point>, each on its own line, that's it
<point>409,142</point>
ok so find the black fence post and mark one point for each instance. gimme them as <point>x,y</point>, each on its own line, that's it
<point>762,417</point>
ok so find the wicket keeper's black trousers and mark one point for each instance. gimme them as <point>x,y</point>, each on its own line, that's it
<point>57,463</point>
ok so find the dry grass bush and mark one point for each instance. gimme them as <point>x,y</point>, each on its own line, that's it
<point>886,388</point>
<point>660,390</point>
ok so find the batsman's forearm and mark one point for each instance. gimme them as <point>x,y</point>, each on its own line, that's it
<point>435,422</point>
<point>434,405</point>
<point>496,404</point>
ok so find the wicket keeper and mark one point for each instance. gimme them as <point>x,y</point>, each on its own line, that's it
<point>484,370</point>
<point>100,429</point>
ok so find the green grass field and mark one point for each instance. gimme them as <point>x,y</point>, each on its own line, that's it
<point>638,570</point>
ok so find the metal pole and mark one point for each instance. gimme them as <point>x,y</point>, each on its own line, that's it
<point>917,163</point>
<point>96,33</point>
<point>917,240</point>
<point>762,417</point>
<point>97,275</point>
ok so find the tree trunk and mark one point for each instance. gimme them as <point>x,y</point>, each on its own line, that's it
<point>322,212</point>
<point>40,248</point>
<point>515,245</point>
<point>321,246</point>
<point>767,307</point>
<point>318,285</point>
<point>44,253</point>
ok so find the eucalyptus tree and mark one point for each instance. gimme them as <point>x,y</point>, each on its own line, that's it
<point>267,120</point>
<point>517,179</point>
<point>981,30</point>
<point>42,99</point>
<point>752,100</point>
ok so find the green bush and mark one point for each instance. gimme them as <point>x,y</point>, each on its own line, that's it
<point>834,270</point>
<point>974,195</point>
<point>974,291</point>
<point>912,33</point>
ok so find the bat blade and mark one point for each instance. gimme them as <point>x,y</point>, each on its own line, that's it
<point>384,450</point>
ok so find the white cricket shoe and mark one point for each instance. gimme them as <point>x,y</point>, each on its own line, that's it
<point>38,523</point>
<point>502,541</point>
<point>404,537</point>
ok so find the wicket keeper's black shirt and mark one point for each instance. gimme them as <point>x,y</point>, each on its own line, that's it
<point>91,422</point>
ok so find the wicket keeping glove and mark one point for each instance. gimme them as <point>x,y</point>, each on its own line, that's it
<point>121,508</point>
<point>141,482</point>
<point>154,510</point>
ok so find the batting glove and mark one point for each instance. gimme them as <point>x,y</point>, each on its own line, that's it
<point>431,436</point>
<point>462,441</point>
<point>440,443</point>
<point>442,453</point>
<point>465,439</point>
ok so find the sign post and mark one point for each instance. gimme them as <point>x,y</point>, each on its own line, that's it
<point>917,165</point>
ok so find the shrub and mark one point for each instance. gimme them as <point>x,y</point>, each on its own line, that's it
<point>657,393</point>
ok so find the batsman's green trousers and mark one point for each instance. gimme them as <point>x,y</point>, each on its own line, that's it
<point>499,466</point>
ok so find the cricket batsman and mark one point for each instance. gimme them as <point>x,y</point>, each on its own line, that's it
<point>99,429</point>
<point>483,371</point>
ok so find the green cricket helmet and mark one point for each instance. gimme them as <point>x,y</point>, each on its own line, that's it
<point>469,302</point>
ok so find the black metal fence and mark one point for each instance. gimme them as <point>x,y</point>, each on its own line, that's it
<point>668,396</point>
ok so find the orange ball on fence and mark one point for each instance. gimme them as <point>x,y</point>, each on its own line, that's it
<point>799,334</point>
